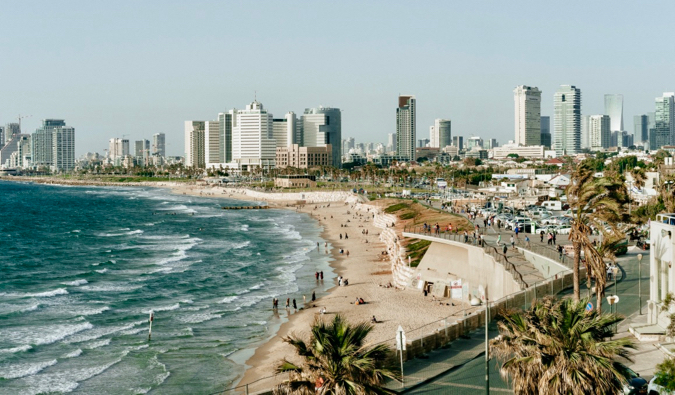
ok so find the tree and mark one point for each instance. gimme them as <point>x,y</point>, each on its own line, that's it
<point>594,202</point>
<point>338,360</point>
<point>557,347</point>
<point>665,375</point>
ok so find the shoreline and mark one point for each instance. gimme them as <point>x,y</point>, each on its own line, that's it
<point>368,268</point>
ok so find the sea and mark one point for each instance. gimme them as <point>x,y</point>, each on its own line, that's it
<point>81,268</point>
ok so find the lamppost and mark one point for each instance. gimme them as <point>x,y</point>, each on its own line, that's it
<point>639,257</point>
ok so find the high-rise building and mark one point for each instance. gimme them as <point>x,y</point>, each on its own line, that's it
<point>422,143</point>
<point>141,149</point>
<point>391,142</point>
<point>405,127</point>
<point>443,133</point>
<point>600,134</point>
<point>433,136</point>
<point>490,144</point>
<point>63,149</point>
<point>11,130</point>
<point>287,131</point>
<point>42,140</point>
<point>458,141</point>
<point>664,122</point>
<point>253,142</point>
<point>474,142</point>
<point>213,143</point>
<point>117,149</point>
<point>641,128</point>
<point>528,115</point>
<point>546,131</point>
<point>567,120</point>
<point>195,144</point>
<point>322,126</point>
<point>2,136</point>
<point>159,144</point>
<point>585,141</point>
<point>614,108</point>
<point>225,120</point>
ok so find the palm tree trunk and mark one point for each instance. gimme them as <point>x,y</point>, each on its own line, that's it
<point>577,262</point>
<point>600,295</point>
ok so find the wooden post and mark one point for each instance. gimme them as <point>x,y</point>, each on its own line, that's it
<point>152,317</point>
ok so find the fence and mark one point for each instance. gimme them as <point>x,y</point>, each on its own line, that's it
<point>440,333</point>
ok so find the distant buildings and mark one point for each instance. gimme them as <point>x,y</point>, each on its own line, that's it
<point>287,131</point>
<point>195,150</point>
<point>600,135</point>
<point>213,143</point>
<point>159,144</point>
<point>391,142</point>
<point>117,149</point>
<point>530,151</point>
<point>303,157</point>
<point>527,115</point>
<point>458,141</point>
<point>322,126</point>
<point>52,146</point>
<point>440,135</point>
<point>664,122</point>
<point>614,109</point>
<point>546,131</point>
<point>567,120</point>
<point>253,142</point>
<point>641,128</point>
<point>63,149</point>
<point>405,127</point>
<point>422,143</point>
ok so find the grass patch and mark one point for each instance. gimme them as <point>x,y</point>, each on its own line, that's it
<point>396,207</point>
<point>408,215</point>
<point>416,250</point>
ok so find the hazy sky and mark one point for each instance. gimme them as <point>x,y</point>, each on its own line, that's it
<point>135,68</point>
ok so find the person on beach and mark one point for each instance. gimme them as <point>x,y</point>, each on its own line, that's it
<point>340,236</point>
<point>504,249</point>
<point>321,274</point>
<point>316,275</point>
<point>295,306</point>
<point>347,252</point>
<point>288,303</point>
<point>313,296</point>
<point>346,236</point>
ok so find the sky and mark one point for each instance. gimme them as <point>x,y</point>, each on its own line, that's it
<point>134,68</point>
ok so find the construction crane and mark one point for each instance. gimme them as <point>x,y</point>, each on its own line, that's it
<point>22,117</point>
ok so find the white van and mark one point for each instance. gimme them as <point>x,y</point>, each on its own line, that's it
<point>552,205</point>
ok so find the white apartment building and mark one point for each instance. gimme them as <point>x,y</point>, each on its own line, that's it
<point>530,151</point>
<point>195,147</point>
<point>213,143</point>
<point>567,120</point>
<point>159,144</point>
<point>527,101</point>
<point>599,132</point>
<point>118,148</point>
<point>253,142</point>
<point>63,149</point>
<point>322,126</point>
<point>406,127</point>
<point>287,131</point>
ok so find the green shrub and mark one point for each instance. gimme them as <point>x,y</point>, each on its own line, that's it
<point>408,215</point>
<point>395,208</point>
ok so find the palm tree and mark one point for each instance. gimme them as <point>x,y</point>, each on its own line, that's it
<point>594,202</point>
<point>557,347</point>
<point>337,360</point>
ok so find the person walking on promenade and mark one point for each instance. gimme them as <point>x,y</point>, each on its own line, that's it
<point>513,242</point>
<point>499,239</point>
<point>516,230</point>
<point>541,234</point>
<point>504,249</point>
<point>466,237</point>
<point>527,241</point>
<point>560,251</point>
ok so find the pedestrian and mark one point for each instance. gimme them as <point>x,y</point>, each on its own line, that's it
<point>516,230</point>
<point>560,251</point>
<point>554,236</point>
<point>346,236</point>
<point>513,242</point>
<point>321,274</point>
<point>295,306</point>
<point>347,252</point>
<point>316,275</point>
<point>499,239</point>
<point>541,238</point>
<point>340,236</point>
<point>313,296</point>
<point>466,237</point>
<point>527,241</point>
<point>504,249</point>
<point>288,303</point>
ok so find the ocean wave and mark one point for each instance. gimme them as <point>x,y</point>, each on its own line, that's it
<point>197,318</point>
<point>76,282</point>
<point>110,288</point>
<point>18,370</point>
<point>175,306</point>
<point>46,294</point>
<point>130,233</point>
<point>244,228</point>
<point>25,347</point>
<point>96,333</point>
<point>229,299</point>
<point>181,252</point>
<point>97,344</point>
<point>73,354</point>
<point>101,271</point>
<point>31,308</point>
<point>92,311</point>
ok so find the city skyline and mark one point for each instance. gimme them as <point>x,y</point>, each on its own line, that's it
<point>147,87</point>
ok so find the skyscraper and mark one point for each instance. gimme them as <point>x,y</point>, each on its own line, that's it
<point>614,108</point>
<point>322,126</point>
<point>225,120</point>
<point>253,142</point>
<point>195,146</point>
<point>159,144</point>
<point>664,122</point>
<point>443,133</point>
<point>433,136</point>
<point>600,135</point>
<point>2,136</point>
<point>42,140</point>
<point>458,141</point>
<point>405,127</point>
<point>585,142</point>
<point>546,131</point>
<point>63,149</point>
<point>213,143</point>
<point>391,142</point>
<point>528,115</point>
<point>287,130</point>
<point>567,120</point>
<point>11,130</point>
<point>118,148</point>
<point>141,149</point>
<point>641,128</point>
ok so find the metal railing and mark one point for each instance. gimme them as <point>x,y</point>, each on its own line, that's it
<point>475,241</point>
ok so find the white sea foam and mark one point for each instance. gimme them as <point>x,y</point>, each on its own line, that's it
<point>102,271</point>
<point>199,317</point>
<point>175,306</point>
<point>97,344</point>
<point>97,333</point>
<point>229,299</point>
<point>244,228</point>
<point>76,282</point>
<point>18,370</point>
<point>110,288</point>
<point>73,354</point>
<point>130,233</point>
<point>32,307</point>
<point>93,311</point>
<point>46,294</point>
<point>25,347</point>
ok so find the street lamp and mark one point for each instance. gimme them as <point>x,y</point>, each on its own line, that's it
<point>639,257</point>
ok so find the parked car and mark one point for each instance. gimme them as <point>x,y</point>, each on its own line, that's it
<point>563,229</point>
<point>636,385</point>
